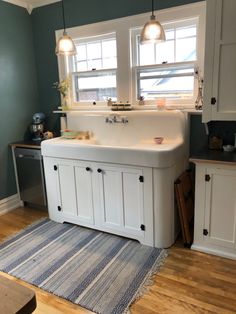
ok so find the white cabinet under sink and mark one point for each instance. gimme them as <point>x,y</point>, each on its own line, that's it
<point>112,198</point>
<point>215,209</point>
<point>74,189</point>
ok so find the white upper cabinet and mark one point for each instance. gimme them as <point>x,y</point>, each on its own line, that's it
<point>220,61</point>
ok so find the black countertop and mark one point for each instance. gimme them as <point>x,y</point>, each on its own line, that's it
<point>27,144</point>
<point>213,156</point>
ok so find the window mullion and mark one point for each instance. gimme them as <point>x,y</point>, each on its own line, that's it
<point>123,65</point>
<point>165,76</point>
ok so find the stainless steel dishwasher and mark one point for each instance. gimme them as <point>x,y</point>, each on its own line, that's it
<point>29,166</point>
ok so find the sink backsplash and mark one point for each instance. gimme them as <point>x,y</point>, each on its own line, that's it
<point>129,128</point>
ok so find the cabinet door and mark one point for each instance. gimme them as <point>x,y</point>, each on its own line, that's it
<point>220,208</point>
<point>220,61</point>
<point>121,199</point>
<point>84,193</point>
<point>66,187</point>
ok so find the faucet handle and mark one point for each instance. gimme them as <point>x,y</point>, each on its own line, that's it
<point>109,119</point>
<point>124,120</point>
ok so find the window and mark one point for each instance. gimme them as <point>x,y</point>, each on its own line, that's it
<point>166,70</point>
<point>111,64</point>
<point>94,75</point>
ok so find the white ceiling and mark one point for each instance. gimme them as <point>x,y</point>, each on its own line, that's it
<point>31,4</point>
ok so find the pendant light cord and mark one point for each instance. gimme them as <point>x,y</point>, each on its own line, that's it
<point>63,15</point>
<point>152,7</point>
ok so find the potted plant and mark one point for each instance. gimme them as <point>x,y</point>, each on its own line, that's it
<point>63,87</point>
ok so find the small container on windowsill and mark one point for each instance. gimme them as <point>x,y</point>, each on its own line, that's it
<point>228,148</point>
<point>158,140</point>
<point>161,103</point>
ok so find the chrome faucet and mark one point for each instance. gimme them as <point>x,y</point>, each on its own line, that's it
<point>116,119</point>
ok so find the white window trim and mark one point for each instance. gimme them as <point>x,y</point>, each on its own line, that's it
<point>125,77</point>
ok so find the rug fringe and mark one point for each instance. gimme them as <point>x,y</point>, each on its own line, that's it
<point>148,281</point>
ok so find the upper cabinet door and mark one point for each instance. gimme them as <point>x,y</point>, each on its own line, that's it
<point>220,61</point>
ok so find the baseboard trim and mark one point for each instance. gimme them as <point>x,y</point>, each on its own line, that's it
<point>214,251</point>
<point>9,203</point>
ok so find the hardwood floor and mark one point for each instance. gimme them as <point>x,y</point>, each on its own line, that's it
<point>188,282</point>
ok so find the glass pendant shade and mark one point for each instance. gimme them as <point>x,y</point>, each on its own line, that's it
<point>152,32</point>
<point>65,46</point>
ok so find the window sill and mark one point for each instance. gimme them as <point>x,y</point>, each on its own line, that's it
<point>191,111</point>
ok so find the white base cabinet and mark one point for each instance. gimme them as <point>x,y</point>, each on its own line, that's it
<point>107,197</point>
<point>215,209</point>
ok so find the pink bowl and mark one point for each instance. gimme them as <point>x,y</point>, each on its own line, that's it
<point>158,140</point>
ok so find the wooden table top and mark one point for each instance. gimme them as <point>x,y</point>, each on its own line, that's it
<point>16,298</point>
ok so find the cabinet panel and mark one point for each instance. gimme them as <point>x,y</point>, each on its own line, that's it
<point>228,25</point>
<point>220,211</point>
<point>133,201</point>
<point>121,196</point>
<point>84,193</point>
<point>226,93</point>
<point>66,179</point>
<point>111,196</point>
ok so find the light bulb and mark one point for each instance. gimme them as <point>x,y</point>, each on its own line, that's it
<point>152,32</point>
<point>65,46</point>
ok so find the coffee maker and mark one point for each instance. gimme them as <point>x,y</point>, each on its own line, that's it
<point>37,126</point>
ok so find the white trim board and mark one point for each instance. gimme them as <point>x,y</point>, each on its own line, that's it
<point>29,5</point>
<point>9,203</point>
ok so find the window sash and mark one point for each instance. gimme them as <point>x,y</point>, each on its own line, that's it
<point>185,70</point>
<point>91,74</point>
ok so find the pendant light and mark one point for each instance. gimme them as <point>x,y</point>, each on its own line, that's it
<point>152,31</point>
<point>65,45</point>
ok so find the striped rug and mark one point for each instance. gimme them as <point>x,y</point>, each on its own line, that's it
<point>101,272</point>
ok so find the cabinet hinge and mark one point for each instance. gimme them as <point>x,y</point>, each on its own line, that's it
<point>142,227</point>
<point>55,167</point>
<point>213,101</point>
<point>141,179</point>
<point>207,177</point>
<point>59,208</point>
<point>205,232</point>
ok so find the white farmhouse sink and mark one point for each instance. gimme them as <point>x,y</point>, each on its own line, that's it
<point>142,154</point>
<point>130,143</point>
<point>119,181</point>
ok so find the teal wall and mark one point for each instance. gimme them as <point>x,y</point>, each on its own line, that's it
<point>18,86</point>
<point>28,64</point>
<point>47,19</point>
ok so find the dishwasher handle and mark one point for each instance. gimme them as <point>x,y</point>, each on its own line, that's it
<point>26,156</point>
<point>23,153</point>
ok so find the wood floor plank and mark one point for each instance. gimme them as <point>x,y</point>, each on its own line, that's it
<point>198,281</point>
<point>189,282</point>
<point>194,296</point>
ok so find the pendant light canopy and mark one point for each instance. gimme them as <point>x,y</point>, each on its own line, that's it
<point>152,31</point>
<point>65,45</point>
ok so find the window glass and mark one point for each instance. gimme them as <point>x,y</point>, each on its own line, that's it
<point>95,54</point>
<point>174,81</point>
<point>168,83</point>
<point>95,86</point>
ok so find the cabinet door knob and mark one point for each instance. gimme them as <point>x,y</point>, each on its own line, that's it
<point>88,169</point>
<point>99,170</point>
